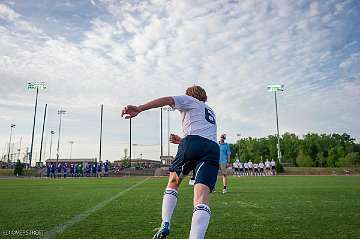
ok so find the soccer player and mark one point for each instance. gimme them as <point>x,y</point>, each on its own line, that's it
<point>65,170</point>
<point>72,170</point>
<point>251,168</point>
<point>261,167</point>
<point>198,149</point>
<point>59,170</point>
<point>241,168</point>
<point>52,174</point>
<point>246,166</point>
<point>88,170</point>
<point>48,169</point>
<point>99,169</point>
<point>273,171</point>
<point>106,168</point>
<point>93,169</point>
<point>236,167</point>
<point>224,159</point>
<point>267,166</point>
<point>256,171</point>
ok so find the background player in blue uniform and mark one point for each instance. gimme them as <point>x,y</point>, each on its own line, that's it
<point>106,168</point>
<point>99,169</point>
<point>65,170</point>
<point>198,149</point>
<point>93,169</point>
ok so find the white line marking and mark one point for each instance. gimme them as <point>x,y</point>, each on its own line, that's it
<point>78,218</point>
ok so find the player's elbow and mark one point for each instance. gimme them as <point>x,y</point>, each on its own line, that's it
<point>169,101</point>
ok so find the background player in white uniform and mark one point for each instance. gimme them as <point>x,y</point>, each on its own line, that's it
<point>236,166</point>
<point>241,168</point>
<point>246,166</point>
<point>261,168</point>
<point>198,149</point>
<point>251,172</point>
<point>256,170</point>
<point>268,167</point>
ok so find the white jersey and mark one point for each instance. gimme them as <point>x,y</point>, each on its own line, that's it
<point>197,117</point>
<point>246,165</point>
<point>255,165</point>
<point>236,164</point>
<point>272,163</point>
<point>250,164</point>
<point>241,165</point>
<point>267,164</point>
<point>261,165</point>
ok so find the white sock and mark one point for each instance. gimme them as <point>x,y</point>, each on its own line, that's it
<point>200,221</point>
<point>169,204</point>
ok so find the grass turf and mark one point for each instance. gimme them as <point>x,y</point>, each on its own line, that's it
<point>255,207</point>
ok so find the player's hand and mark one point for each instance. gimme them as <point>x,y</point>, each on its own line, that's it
<point>175,139</point>
<point>130,111</point>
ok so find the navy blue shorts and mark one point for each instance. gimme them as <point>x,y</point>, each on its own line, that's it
<point>201,154</point>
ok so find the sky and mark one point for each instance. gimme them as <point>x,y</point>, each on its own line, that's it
<point>93,52</point>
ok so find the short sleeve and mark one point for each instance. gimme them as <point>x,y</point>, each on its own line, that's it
<point>184,102</point>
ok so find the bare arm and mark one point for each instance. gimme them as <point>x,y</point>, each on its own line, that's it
<point>131,111</point>
<point>157,103</point>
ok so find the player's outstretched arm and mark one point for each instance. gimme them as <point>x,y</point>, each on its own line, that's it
<point>131,111</point>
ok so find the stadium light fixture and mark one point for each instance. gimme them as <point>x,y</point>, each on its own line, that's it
<point>34,86</point>
<point>276,88</point>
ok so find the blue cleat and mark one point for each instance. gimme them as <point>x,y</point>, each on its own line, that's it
<point>163,231</point>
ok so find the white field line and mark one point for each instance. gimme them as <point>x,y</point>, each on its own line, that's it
<point>78,218</point>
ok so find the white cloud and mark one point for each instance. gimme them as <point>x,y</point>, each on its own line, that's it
<point>7,13</point>
<point>141,50</point>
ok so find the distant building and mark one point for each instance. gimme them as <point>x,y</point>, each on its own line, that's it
<point>72,161</point>
<point>142,163</point>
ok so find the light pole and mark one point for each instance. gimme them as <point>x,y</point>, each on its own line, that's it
<point>37,86</point>
<point>130,142</point>
<point>52,132</point>
<point>168,109</point>
<point>60,113</point>
<point>101,129</point>
<point>71,144</point>
<point>276,88</point>
<point>239,135</point>
<point>42,134</point>
<point>11,129</point>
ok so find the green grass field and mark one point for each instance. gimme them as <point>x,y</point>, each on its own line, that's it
<point>130,207</point>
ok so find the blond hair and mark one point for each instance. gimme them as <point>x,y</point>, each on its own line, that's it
<point>197,92</point>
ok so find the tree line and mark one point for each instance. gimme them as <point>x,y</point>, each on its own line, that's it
<point>311,150</point>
